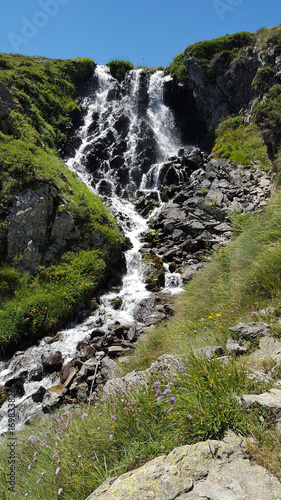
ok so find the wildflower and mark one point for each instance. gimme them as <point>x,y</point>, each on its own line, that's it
<point>202,319</point>
<point>212,382</point>
<point>94,457</point>
<point>189,416</point>
<point>220,326</point>
<point>167,391</point>
<point>157,384</point>
<point>254,313</point>
<point>181,367</point>
<point>172,400</point>
<point>218,315</point>
<point>113,417</point>
<point>158,392</point>
<point>57,471</point>
<point>111,436</point>
<point>59,491</point>
<point>159,398</point>
<point>170,409</point>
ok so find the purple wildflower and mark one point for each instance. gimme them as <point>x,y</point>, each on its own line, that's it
<point>189,416</point>
<point>160,398</point>
<point>181,367</point>
<point>84,415</point>
<point>158,393</point>
<point>157,384</point>
<point>167,391</point>
<point>113,417</point>
<point>111,436</point>
<point>172,400</point>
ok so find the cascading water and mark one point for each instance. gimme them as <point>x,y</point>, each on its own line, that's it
<point>127,136</point>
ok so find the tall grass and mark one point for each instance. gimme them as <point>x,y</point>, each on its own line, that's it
<point>71,454</point>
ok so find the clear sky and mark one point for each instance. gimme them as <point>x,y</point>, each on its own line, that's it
<point>149,32</point>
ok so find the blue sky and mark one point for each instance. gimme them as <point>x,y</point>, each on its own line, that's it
<point>149,32</point>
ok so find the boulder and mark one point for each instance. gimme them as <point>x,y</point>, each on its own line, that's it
<point>270,399</point>
<point>154,274</point>
<point>51,361</point>
<point>253,330</point>
<point>52,398</point>
<point>214,470</point>
<point>38,396</point>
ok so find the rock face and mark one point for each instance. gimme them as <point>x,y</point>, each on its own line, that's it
<point>40,225</point>
<point>213,470</point>
<point>225,87</point>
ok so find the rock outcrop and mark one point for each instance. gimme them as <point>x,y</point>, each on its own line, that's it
<point>213,470</point>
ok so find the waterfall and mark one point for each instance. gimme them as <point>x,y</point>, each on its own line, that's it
<point>127,136</point>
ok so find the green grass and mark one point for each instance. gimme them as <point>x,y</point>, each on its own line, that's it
<point>74,452</point>
<point>119,68</point>
<point>241,143</point>
<point>44,91</point>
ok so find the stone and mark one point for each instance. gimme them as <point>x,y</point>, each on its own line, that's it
<point>270,399</point>
<point>36,374</point>
<point>214,470</point>
<point>52,398</point>
<point>38,396</point>
<point>269,349</point>
<point>67,370</point>
<point>51,361</point>
<point>115,350</point>
<point>253,329</point>
<point>210,351</point>
<point>108,368</point>
<point>234,347</point>
<point>88,368</point>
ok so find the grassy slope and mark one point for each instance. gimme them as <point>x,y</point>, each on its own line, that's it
<point>43,91</point>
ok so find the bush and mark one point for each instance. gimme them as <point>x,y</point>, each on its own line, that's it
<point>119,68</point>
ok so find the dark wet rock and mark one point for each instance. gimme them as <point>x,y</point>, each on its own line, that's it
<point>38,396</point>
<point>36,374</point>
<point>52,361</point>
<point>86,351</point>
<point>19,379</point>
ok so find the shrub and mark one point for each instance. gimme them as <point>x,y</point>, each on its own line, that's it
<point>119,68</point>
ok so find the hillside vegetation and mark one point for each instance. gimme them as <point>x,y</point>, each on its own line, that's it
<point>43,93</point>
